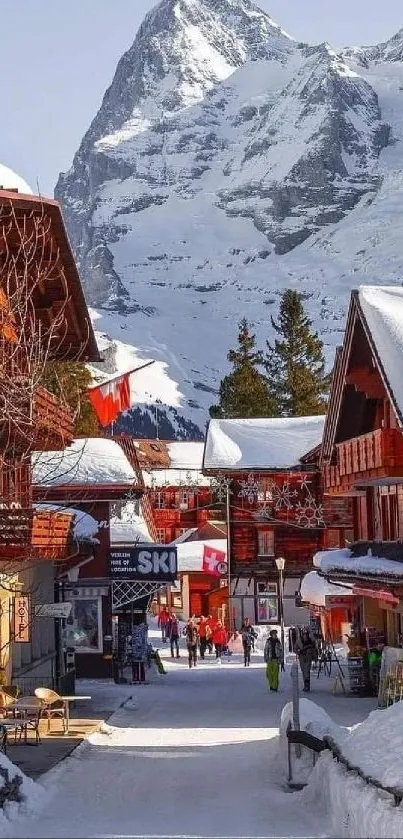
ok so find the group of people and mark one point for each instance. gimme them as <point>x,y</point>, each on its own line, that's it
<point>208,634</point>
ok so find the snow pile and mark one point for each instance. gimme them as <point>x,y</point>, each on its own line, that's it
<point>10,180</point>
<point>342,560</point>
<point>315,721</point>
<point>357,809</point>
<point>186,455</point>
<point>383,312</point>
<point>261,443</point>
<point>32,794</point>
<point>97,460</point>
<point>129,531</point>
<point>315,589</point>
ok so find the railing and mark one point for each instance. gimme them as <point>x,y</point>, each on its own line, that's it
<point>380,449</point>
<point>54,421</point>
<point>336,752</point>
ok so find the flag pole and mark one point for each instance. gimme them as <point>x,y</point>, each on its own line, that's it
<point>119,375</point>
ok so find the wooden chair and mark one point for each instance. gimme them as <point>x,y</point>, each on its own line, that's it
<point>53,706</point>
<point>29,710</point>
<point>7,704</point>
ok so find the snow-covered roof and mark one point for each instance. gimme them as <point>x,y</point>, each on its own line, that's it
<point>186,455</point>
<point>382,307</point>
<point>270,443</point>
<point>190,554</point>
<point>129,532</point>
<point>85,527</point>
<point>10,180</point>
<point>317,591</point>
<point>97,460</point>
<point>343,561</point>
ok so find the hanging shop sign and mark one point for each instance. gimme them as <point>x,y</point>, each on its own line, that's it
<point>22,614</point>
<point>157,563</point>
<point>53,610</point>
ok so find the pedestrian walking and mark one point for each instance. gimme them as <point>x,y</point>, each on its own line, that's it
<point>274,658</point>
<point>307,652</point>
<point>248,635</point>
<point>137,649</point>
<point>163,619</point>
<point>203,626</point>
<point>191,642</point>
<point>219,640</point>
<point>173,633</point>
<point>211,623</point>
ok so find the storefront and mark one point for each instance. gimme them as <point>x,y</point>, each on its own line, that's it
<point>336,605</point>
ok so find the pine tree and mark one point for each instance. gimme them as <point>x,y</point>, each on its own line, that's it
<point>243,392</point>
<point>70,381</point>
<point>295,365</point>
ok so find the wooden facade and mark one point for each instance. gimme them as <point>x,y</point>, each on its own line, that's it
<point>362,459</point>
<point>43,317</point>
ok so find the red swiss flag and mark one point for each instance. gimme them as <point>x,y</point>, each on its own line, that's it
<point>110,399</point>
<point>214,562</point>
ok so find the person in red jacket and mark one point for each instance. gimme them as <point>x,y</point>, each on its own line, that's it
<point>211,623</point>
<point>219,639</point>
<point>163,620</point>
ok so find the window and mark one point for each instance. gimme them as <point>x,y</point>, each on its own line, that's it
<point>184,498</point>
<point>265,542</point>
<point>180,531</point>
<point>267,603</point>
<point>160,535</point>
<point>84,626</point>
<point>265,493</point>
<point>159,500</point>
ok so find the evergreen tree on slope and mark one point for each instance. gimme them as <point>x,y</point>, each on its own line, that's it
<point>70,381</point>
<point>243,392</point>
<point>295,364</point>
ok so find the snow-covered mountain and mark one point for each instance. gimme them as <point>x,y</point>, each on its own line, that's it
<point>227,162</point>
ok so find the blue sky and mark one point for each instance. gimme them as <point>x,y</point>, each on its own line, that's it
<point>56,68</point>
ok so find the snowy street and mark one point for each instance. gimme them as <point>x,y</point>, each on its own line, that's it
<point>193,754</point>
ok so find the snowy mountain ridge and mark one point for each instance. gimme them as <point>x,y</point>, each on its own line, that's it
<point>227,162</point>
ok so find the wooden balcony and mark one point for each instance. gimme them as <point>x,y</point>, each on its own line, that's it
<point>53,422</point>
<point>366,460</point>
<point>31,534</point>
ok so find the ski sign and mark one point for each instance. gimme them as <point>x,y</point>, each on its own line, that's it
<point>157,563</point>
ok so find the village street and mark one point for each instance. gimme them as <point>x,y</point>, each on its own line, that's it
<point>193,754</point>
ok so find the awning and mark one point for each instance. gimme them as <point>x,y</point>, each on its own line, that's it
<point>377,594</point>
<point>317,591</point>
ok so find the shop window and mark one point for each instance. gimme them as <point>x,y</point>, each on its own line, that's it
<point>267,603</point>
<point>84,626</point>
<point>266,542</point>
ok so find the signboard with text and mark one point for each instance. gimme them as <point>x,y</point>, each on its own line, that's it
<point>53,610</point>
<point>22,615</point>
<point>157,563</point>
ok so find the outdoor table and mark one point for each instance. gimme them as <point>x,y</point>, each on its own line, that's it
<point>66,701</point>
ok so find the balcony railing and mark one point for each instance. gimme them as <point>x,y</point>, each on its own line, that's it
<point>378,454</point>
<point>35,534</point>
<point>53,421</point>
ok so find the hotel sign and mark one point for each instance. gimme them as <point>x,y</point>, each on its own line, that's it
<point>156,563</point>
<point>22,618</point>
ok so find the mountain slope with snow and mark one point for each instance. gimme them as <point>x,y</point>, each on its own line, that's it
<point>226,163</point>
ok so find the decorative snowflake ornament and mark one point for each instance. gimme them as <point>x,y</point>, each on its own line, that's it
<point>250,489</point>
<point>309,513</point>
<point>221,485</point>
<point>283,496</point>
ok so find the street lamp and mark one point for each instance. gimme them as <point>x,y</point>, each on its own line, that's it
<point>280,565</point>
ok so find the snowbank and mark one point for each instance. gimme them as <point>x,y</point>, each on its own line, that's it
<point>376,747</point>
<point>261,443</point>
<point>31,793</point>
<point>315,721</point>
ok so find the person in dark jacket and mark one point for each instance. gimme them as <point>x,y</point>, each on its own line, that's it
<point>248,635</point>
<point>173,634</point>
<point>191,642</point>
<point>274,658</point>
<point>137,649</point>
<point>307,652</point>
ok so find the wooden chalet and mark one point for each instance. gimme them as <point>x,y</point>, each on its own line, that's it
<point>43,317</point>
<point>183,507</point>
<point>362,459</point>
<point>275,509</point>
<point>95,476</point>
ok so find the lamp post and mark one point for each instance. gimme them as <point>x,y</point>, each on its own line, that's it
<point>280,565</point>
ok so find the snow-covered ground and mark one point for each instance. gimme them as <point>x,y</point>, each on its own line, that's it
<point>194,753</point>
